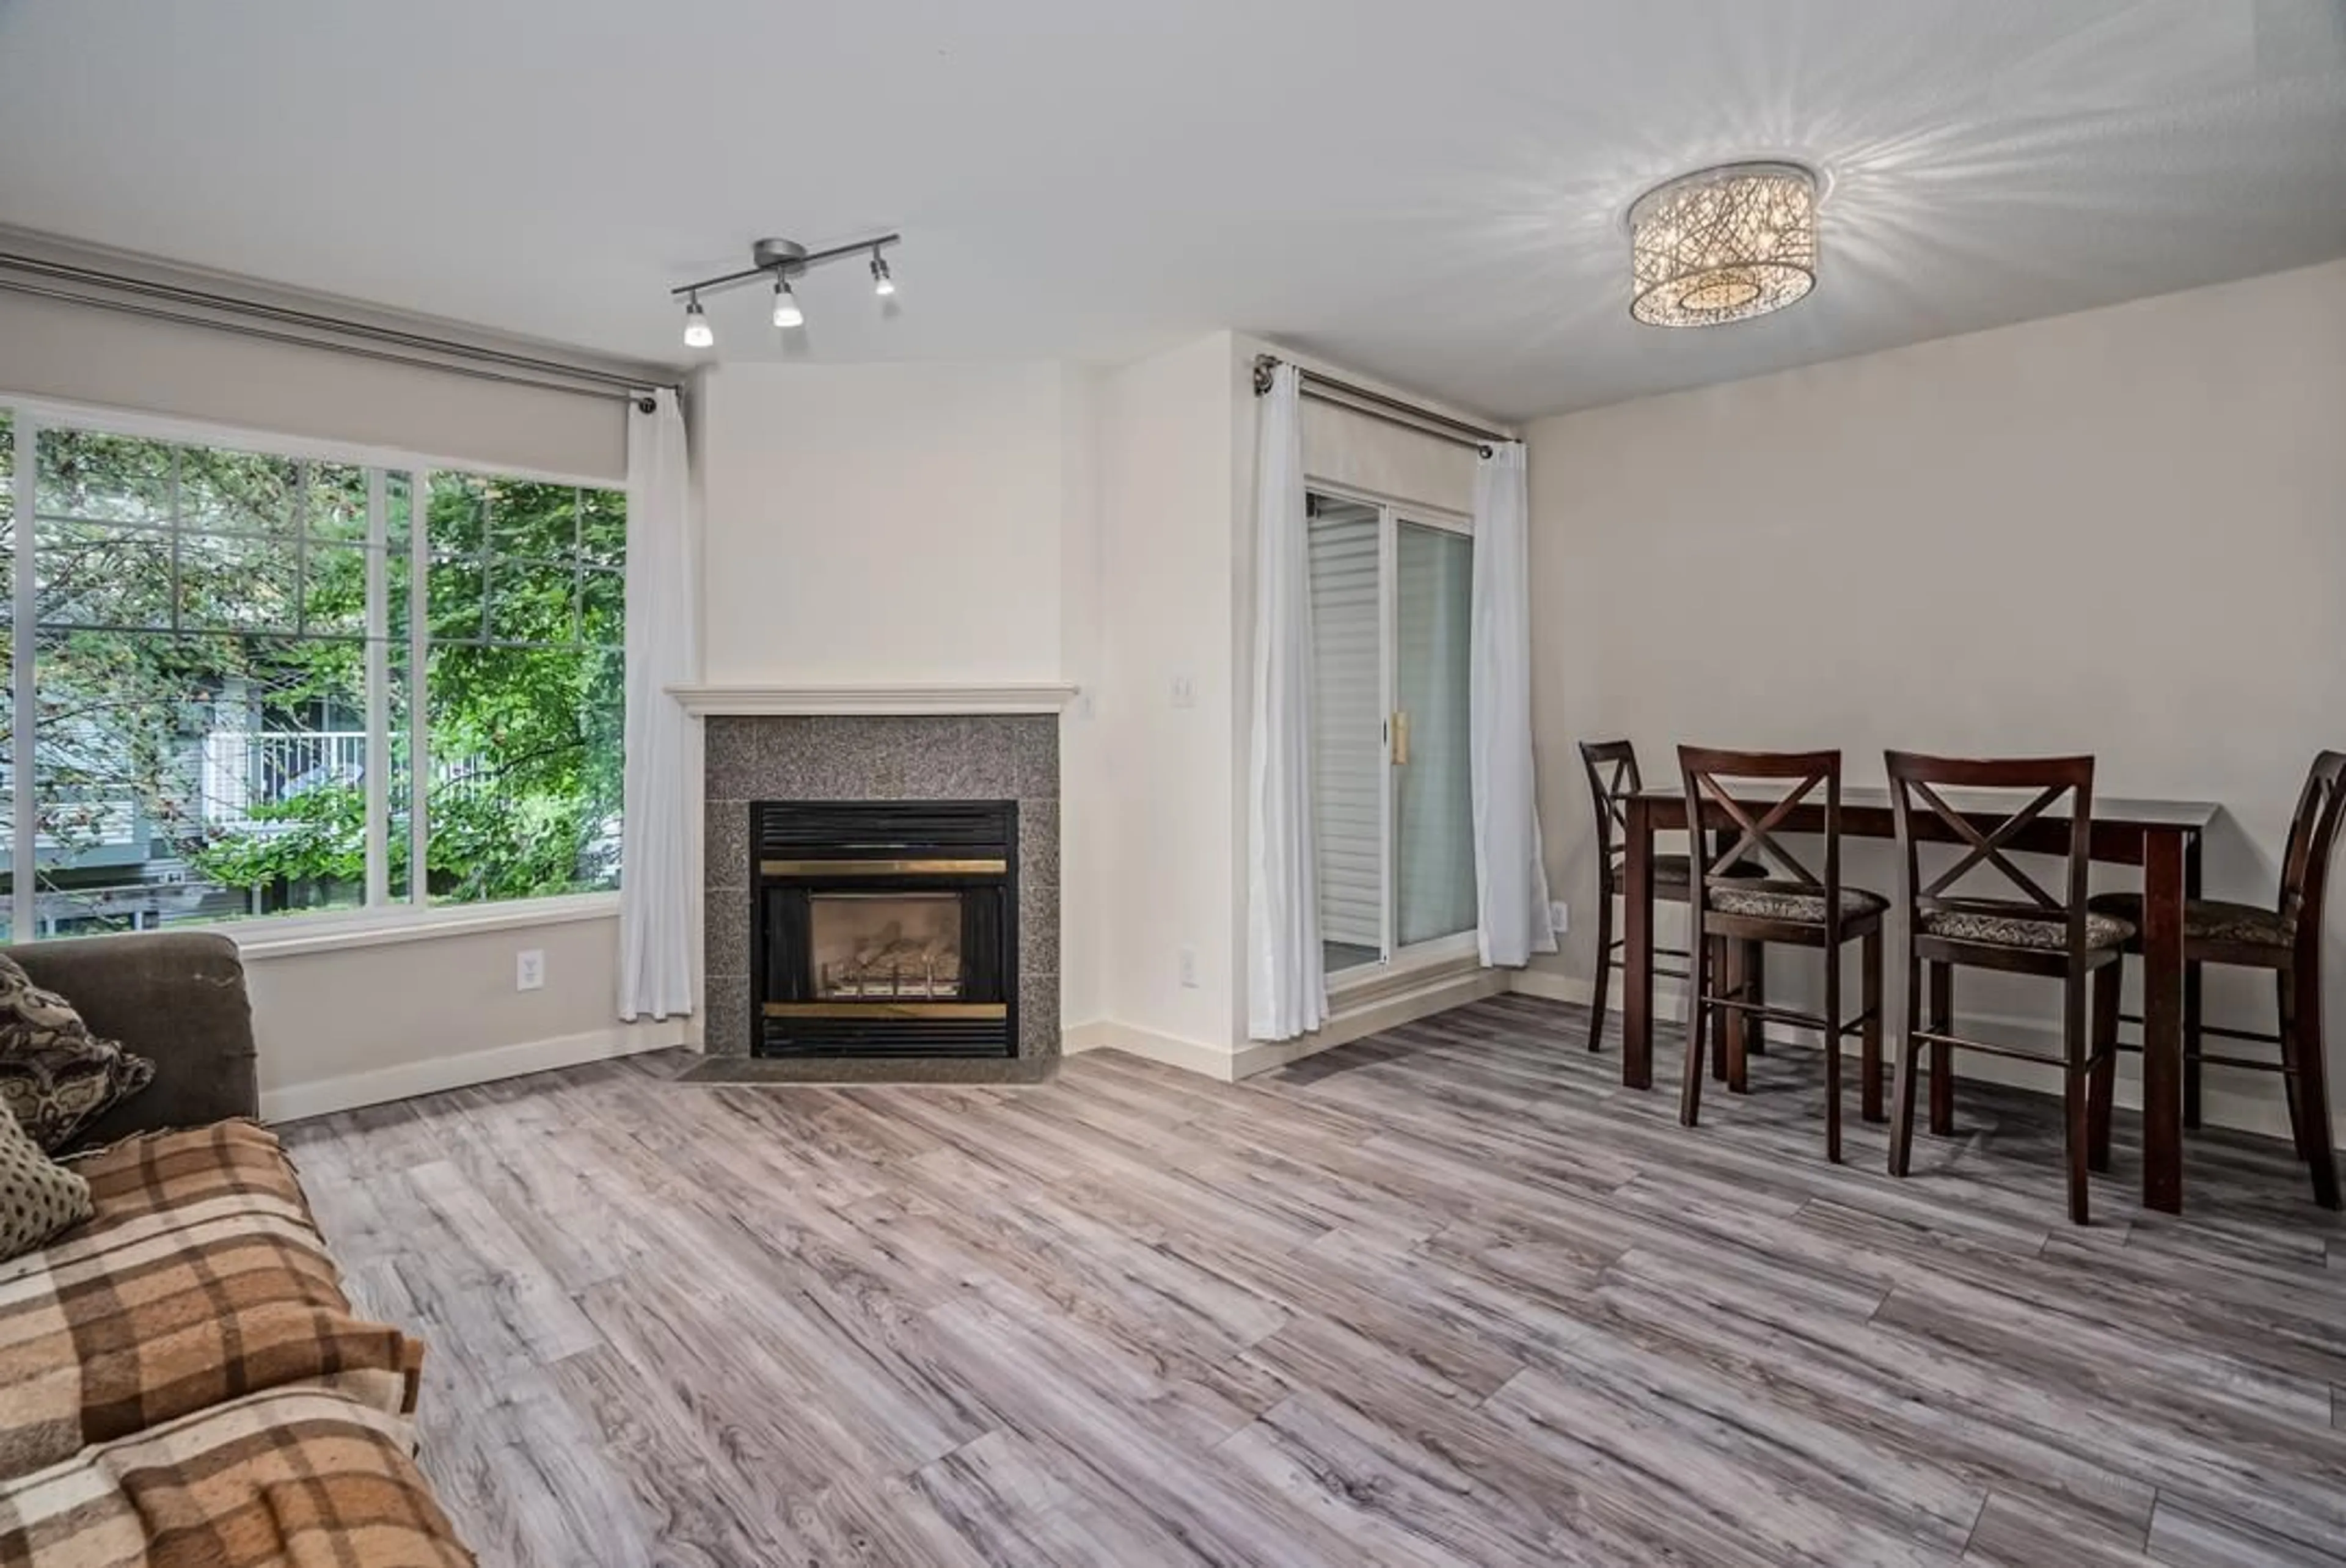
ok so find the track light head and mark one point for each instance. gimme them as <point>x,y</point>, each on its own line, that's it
<point>787,314</point>
<point>883,282</point>
<point>697,333</point>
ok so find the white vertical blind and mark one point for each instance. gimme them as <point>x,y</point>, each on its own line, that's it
<point>1348,721</point>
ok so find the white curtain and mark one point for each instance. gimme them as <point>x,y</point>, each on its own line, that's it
<point>656,889</point>
<point>1510,880</point>
<point>1287,979</point>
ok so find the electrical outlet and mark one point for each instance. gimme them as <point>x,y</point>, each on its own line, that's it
<point>1184,691</point>
<point>1187,960</point>
<point>1559,917</point>
<point>529,969</point>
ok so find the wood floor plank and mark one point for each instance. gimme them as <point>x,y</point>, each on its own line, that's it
<point>1449,1295</point>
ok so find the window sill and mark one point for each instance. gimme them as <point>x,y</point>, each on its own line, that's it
<point>291,936</point>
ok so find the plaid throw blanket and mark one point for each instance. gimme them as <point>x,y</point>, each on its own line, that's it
<point>229,1167</point>
<point>200,1278</point>
<point>289,1479</point>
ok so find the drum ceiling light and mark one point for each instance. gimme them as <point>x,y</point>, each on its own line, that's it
<point>1723,245</point>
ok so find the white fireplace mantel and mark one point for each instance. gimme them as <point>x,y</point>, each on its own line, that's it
<point>731,700</point>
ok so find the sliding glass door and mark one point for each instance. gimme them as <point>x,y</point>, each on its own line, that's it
<point>1391,591</point>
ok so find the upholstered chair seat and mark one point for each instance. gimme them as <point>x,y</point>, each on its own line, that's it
<point>2210,920</point>
<point>2021,928</point>
<point>1791,901</point>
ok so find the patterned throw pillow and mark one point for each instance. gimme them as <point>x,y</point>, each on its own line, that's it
<point>38,1197</point>
<point>55,1074</point>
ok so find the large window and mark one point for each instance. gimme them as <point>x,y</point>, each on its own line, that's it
<point>1392,593</point>
<point>234,676</point>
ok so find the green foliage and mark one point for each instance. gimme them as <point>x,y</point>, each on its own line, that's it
<point>186,590</point>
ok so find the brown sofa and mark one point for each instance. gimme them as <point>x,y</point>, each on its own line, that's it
<point>176,999</point>
<point>182,1379</point>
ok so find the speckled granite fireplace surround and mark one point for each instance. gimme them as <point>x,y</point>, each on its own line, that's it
<point>847,756</point>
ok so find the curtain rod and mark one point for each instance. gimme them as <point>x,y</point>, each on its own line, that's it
<point>473,360</point>
<point>1377,405</point>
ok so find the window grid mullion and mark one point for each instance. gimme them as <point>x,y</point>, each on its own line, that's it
<point>419,704</point>
<point>377,776</point>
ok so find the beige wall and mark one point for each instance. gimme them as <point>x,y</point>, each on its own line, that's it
<point>888,522</point>
<point>1167,475</point>
<point>360,1025</point>
<point>2121,531</point>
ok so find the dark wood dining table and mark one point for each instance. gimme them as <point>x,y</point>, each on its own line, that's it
<point>2163,837</point>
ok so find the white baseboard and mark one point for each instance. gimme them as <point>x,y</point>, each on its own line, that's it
<point>1196,1056</point>
<point>1386,1007</point>
<point>409,1079</point>
<point>2220,1105</point>
<point>1389,1009</point>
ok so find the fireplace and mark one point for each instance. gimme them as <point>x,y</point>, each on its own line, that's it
<point>885,928</point>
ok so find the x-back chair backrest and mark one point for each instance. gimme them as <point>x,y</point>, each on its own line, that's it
<point>1613,777</point>
<point>2312,835</point>
<point>2048,781</point>
<point>1720,789</point>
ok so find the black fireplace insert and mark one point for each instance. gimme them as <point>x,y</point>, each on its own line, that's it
<point>885,928</point>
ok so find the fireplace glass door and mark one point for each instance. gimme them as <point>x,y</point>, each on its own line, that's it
<point>893,946</point>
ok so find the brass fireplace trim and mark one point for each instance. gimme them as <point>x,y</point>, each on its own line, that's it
<point>882,1008</point>
<point>882,868</point>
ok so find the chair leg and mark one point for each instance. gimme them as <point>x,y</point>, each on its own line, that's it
<point>1833,1054</point>
<point>2292,1089</point>
<point>2313,1084</point>
<point>2191,1045</point>
<point>1696,1035</point>
<point>1902,1109</point>
<point>1755,975</point>
<point>2103,1092</point>
<point>1868,1071</point>
<point>1943,1057</point>
<point>1604,971</point>
<point>1735,1028</point>
<point>2077,1139</point>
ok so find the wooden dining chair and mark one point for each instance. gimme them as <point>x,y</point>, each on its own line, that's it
<point>2285,940</point>
<point>1613,777</point>
<point>1796,908</point>
<point>2038,932</point>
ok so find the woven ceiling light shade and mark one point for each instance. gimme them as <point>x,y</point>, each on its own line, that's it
<point>1724,245</point>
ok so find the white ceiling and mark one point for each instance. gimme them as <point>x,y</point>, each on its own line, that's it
<point>1430,192</point>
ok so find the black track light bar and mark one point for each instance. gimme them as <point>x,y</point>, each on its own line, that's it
<point>785,268</point>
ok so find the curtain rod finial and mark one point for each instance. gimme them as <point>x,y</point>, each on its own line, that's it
<point>1266,367</point>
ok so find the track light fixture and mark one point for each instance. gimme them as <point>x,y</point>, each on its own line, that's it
<point>780,261</point>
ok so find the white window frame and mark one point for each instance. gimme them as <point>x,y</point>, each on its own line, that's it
<point>1436,952</point>
<point>414,918</point>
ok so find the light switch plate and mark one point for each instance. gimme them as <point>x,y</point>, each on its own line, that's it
<point>1559,917</point>
<point>1184,691</point>
<point>529,969</point>
<point>1187,960</point>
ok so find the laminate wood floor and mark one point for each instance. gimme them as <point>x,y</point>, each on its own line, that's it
<point>1448,1296</point>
